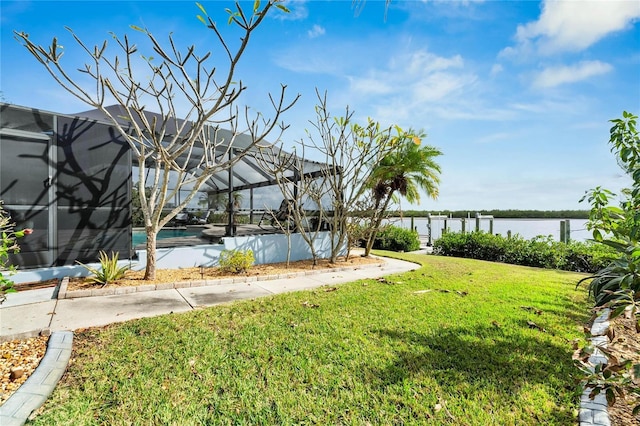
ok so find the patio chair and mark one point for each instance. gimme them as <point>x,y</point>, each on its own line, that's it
<point>282,215</point>
<point>203,220</point>
<point>285,211</point>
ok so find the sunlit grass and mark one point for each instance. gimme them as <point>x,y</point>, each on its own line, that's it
<point>448,343</point>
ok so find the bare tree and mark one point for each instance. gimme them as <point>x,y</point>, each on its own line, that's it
<point>188,150</point>
<point>359,224</point>
<point>303,191</point>
<point>351,152</point>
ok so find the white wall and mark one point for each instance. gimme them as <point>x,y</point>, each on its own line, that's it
<point>271,248</point>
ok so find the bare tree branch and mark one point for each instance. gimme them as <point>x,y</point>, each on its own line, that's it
<point>187,150</point>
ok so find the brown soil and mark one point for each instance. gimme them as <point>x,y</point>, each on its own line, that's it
<point>136,278</point>
<point>625,345</point>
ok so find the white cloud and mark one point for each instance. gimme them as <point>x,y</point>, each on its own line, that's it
<point>316,31</point>
<point>438,86</point>
<point>297,11</point>
<point>419,73</point>
<point>555,76</point>
<point>496,69</point>
<point>422,62</point>
<point>307,62</point>
<point>498,137</point>
<point>573,25</point>
<point>409,85</point>
<point>371,85</point>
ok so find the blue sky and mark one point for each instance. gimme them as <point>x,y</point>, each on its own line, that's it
<point>517,94</point>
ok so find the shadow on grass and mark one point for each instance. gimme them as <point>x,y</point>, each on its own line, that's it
<point>576,312</point>
<point>489,359</point>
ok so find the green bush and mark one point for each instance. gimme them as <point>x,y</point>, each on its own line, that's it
<point>475,245</point>
<point>540,252</point>
<point>8,245</point>
<point>236,261</point>
<point>394,238</point>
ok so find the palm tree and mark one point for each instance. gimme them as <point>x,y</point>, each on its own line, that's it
<point>405,171</point>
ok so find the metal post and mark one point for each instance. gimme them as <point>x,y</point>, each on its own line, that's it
<point>477,221</point>
<point>491,225</point>
<point>565,231</point>
<point>251,205</point>
<point>52,237</point>
<point>230,220</point>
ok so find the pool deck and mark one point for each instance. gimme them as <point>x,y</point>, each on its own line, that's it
<point>211,233</point>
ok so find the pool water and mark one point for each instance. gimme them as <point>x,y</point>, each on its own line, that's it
<point>140,237</point>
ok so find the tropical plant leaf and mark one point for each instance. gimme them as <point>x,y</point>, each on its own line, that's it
<point>202,9</point>
<point>109,269</point>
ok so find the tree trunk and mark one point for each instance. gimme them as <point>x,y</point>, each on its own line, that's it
<point>369,245</point>
<point>150,270</point>
<point>372,232</point>
<point>338,233</point>
<point>377,221</point>
<point>288,245</point>
<point>314,255</point>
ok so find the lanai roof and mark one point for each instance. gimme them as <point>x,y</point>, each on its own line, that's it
<point>247,173</point>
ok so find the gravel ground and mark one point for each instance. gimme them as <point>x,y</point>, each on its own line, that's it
<point>18,359</point>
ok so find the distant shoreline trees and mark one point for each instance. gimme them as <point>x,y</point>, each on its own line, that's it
<point>504,214</point>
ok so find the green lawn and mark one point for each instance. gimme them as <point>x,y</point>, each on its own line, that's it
<point>367,353</point>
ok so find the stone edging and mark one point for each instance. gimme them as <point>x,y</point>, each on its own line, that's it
<point>63,293</point>
<point>33,393</point>
<point>594,412</point>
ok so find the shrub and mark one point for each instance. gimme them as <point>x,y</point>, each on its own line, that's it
<point>474,245</point>
<point>540,252</point>
<point>236,261</point>
<point>109,269</point>
<point>394,238</point>
<point>587,257</point>
<point>8,245</point>
<point>617,285</point>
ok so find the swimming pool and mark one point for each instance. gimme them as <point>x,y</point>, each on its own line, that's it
<point>140,237</point>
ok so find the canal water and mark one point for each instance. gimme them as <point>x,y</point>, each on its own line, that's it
<point>526,228</point>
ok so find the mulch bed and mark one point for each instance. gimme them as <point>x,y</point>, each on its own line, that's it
<point>625,345</point>
<point>136,278</point>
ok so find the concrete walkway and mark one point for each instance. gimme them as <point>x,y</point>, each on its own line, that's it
<point>39,312</point>
<point>29,313</point>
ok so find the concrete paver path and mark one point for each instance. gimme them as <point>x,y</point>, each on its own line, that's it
<point>28,313</point>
